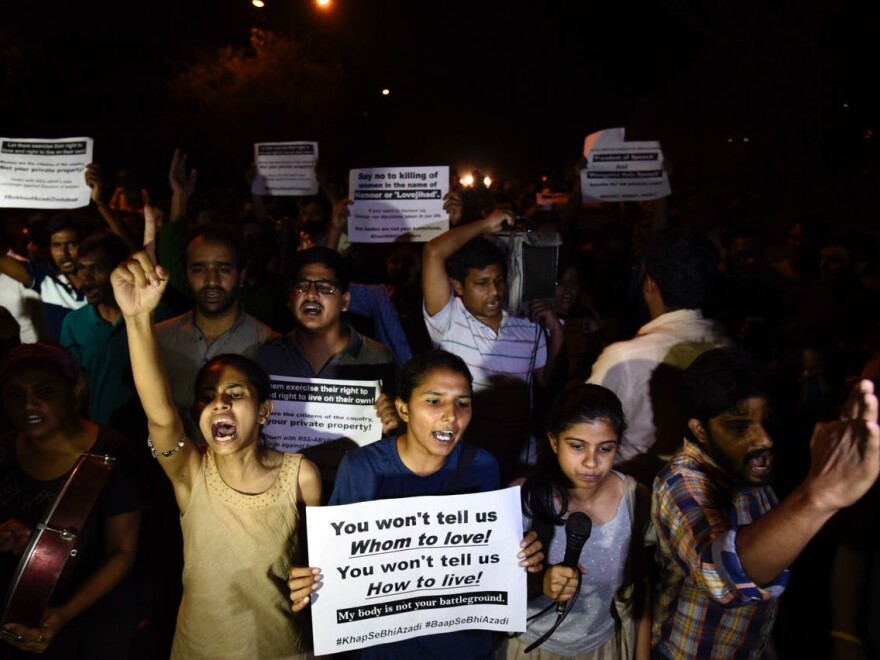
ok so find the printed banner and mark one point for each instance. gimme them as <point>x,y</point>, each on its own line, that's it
<point>397,204</point>
<point>403,568</point>
<point>312,411</point>
<point>44,174</point>
<point>285,168</point>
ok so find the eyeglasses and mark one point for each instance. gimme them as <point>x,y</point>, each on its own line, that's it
<point>323,287</point>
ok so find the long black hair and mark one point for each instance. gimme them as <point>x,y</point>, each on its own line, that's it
<point>545,493</point>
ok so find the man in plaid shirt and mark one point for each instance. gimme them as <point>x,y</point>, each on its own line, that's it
<point>724,542</point>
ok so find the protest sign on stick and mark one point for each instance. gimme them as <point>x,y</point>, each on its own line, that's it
<point>398,569</point>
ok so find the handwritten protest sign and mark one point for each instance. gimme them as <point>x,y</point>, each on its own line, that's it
<point>44,174</point>
<point>391,204</point>
<point>619,171</point>
<point>397,569</point>
<point>285,168</point>
<point>311,411</point>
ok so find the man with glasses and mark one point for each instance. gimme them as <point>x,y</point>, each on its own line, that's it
<point>322,346</point>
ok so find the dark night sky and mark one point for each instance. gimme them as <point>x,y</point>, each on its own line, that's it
<point>510,88</point>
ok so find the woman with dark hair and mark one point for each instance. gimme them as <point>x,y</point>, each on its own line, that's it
<point>428,459</point>
<point>610,618</point>
<point>91,613</point>
<point>240,501</point>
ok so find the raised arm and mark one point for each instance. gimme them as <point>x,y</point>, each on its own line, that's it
<point>183,186</point>
<point>845,464</point>
<point>138,285</point>
<point>95,180</point>
<point>435,280</point>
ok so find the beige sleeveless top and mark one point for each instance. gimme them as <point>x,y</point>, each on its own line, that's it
<point>237,552</point>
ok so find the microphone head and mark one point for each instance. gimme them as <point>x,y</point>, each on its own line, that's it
<point>578,526</point>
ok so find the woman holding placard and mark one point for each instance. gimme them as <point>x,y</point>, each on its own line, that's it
<point>428,459</point>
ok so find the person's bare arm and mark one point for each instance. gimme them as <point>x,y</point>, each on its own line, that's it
<point>435,280</point>
<point>16,269</point>
<point>845,464</point>
<point>183,186</point>
<point>95,180</point>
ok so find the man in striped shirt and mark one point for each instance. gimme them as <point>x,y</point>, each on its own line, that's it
<point>724,543</point>
<point>464,315</point>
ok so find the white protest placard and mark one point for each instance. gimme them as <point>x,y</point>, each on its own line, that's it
<point>285,168</point>
<point>403,568</point>
<point>397,203</point>
<point>620,171</point>
<point>312,411</point>
<point>44,174</point>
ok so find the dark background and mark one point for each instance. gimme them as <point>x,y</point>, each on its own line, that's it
<point>776,103</point>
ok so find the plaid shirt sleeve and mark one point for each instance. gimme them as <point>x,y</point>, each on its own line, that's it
<point>702,539</point>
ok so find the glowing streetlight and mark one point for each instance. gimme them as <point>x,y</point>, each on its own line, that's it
<point>259,4</point>
<point>467,180</point>
<point>487,181</point>
<point>386,92</point>
<point>323,4</point>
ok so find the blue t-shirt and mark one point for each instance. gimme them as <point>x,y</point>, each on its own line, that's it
<point>376,472</point>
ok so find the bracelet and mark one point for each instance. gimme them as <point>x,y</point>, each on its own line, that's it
<point>170,452</point>
<point>839,634</point>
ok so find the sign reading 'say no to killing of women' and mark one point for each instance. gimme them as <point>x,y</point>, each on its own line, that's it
<point>403,568</point>
<point>397,203</point>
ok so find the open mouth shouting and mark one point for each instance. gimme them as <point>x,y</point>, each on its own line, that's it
<point>761,462</point>
<point>224,430</point>
<point>311,308</point>
<point>444,437</point>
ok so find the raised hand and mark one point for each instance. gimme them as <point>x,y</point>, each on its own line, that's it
<point>846,454</point>
<point>180,182</point>
<point>453,205</point>
<point>138,284</point>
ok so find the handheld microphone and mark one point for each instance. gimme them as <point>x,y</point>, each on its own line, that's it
<point>577,531</point>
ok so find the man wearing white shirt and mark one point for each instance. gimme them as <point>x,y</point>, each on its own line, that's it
<point>645,371</point>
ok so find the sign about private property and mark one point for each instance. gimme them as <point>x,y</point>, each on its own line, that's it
<point>397,204</point>
<point>312,411</point>
<point>620,171</point>
<point>397,569</point>
<point>285,168</point>
<point>44,174</point>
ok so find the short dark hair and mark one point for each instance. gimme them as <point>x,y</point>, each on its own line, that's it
<point>418,367</point>
<point>65,220</point>
<point>684,268</point>
<point>719,379</point>
<point>217,232</point>
<point>114,247</point>
<point>478,253</point>
<point>254,372</point>
<point>324,256</point>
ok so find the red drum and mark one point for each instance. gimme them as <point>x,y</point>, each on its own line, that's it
<point>56,541</point>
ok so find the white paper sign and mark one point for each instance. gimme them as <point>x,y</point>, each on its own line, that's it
<point>400,203</point>
<point>313,411</point>
<point>619,171</point>
<point>44,174</point>
<point>403,568</point>
<point>285,168</point>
